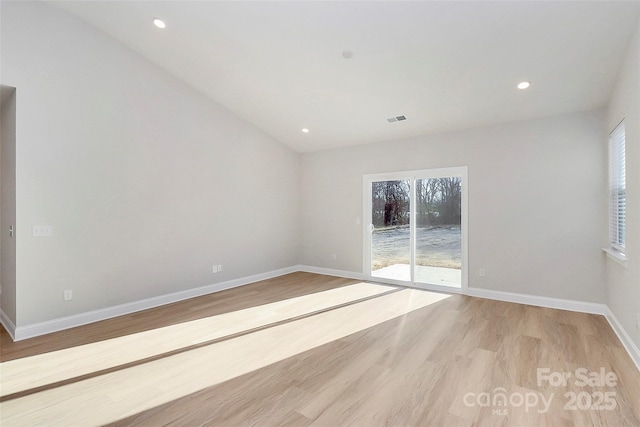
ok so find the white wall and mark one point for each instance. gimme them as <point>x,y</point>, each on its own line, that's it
<point>623,284</point>
<point>535,202</point>
<point>146,183</point>
<point>7,201</point>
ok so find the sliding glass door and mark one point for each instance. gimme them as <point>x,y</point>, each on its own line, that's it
<point>438,231</point>
<point>415,228</point>
<point>390,227</point>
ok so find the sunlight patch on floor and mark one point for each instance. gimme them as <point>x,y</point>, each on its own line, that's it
<point>116,395</point>
<point>35,371</point>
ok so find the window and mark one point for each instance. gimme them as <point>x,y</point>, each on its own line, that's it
<point>617,190</point>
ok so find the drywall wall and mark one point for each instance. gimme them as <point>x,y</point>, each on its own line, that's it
<point>7,201</point>
<point>623,283</point>
<point>536,211</point>
<point>146,183</point>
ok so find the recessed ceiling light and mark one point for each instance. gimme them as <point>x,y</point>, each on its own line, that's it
<point>305,130</point>
<point>523,85</point>
<point>159,23</point>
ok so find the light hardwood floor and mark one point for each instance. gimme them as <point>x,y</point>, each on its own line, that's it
<point>306,349</point>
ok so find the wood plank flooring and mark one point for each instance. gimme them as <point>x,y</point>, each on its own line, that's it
<point>312,350</point>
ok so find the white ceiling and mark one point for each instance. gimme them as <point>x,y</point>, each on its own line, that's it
<point>445,65</point>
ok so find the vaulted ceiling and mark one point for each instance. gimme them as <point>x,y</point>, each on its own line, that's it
<point>342,68</point>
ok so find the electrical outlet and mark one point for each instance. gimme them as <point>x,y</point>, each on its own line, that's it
<point>219,267</point>
<point>68,295</point>
<point>42,230</point>
<point>482,272</point>
<point>214,269</point>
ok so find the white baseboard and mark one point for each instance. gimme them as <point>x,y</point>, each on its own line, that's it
<point>37,329</point>
<point>8,324</point>
<point>623,336</point>
<point>558,303</point>
<point>331,272</point>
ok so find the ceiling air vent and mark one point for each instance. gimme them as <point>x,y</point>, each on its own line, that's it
<point>396,119</point>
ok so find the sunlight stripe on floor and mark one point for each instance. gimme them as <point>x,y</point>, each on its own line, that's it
<point>110,397</point>
<point>36,371</point>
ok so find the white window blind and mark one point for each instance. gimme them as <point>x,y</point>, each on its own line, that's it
<point>617,189</point>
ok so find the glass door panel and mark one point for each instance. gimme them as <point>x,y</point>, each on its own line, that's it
<point>391,230</point>
<point>438,231</point>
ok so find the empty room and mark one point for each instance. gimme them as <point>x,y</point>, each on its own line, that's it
<point>320,213</point>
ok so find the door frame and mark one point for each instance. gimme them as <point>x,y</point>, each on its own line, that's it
<point>413,175</point>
